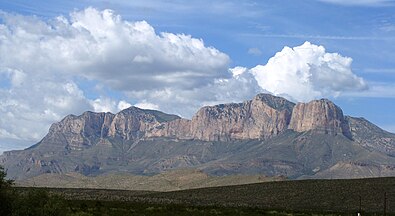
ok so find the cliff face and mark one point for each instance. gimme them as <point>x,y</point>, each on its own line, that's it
<point>262,117</point>
<point>319,115</point>
<point>177,129</point>
<point>267,134</point>
<point>78,132</point>
<point>133,123</point>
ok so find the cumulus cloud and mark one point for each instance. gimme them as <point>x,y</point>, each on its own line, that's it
<point>307,72</point>
<point>100,45</point>
<point>104,104</point>
<point>237,71</point>
<point>123,105</point>
<point>41,59</point>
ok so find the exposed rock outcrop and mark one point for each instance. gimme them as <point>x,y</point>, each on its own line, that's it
<point>320,115</point>
<point>178,129</point>
<point>132,123</point>
<point>260,118</point>
<point>82,131</point>
<point>90,128</point>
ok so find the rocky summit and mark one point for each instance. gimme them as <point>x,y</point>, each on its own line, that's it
<point>267,136</point>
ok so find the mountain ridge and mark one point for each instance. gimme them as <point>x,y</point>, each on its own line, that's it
<point>266,135</point>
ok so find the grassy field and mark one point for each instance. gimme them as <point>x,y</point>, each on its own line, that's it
<point>304,197</point>
<point>132,208</point>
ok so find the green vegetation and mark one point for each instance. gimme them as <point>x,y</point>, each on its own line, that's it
<point>307,197</point>
<point>47,202</point>
<point>30,202</point>
<point>328,196</point>
<point>5,193</point>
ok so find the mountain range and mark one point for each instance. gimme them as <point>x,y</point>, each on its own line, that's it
<point>268,136</point>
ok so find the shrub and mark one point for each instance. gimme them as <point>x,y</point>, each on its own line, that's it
<point>6,193</point>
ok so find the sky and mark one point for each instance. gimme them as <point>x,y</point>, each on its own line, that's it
<point>66,57</point>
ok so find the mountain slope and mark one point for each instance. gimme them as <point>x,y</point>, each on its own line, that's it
<point>167,181</point>
<point>267,135</point>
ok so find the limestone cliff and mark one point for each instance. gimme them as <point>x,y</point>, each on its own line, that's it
<point>260,118</point>
<point>319,115</point>
<point>78,132</point>
<point>133,123</point>
<point>82,131</point>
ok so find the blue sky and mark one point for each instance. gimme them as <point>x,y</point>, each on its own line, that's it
<point>67,57</point>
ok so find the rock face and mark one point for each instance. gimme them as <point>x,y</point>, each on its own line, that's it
<point>82,131</point>
<point>133,123</point>
<point>320,115</point>
<point>262,117</point>
<point>266,135</point>
<point>79,132</point>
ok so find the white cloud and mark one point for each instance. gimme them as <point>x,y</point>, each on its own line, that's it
<point>100,45</point>
<point>237,71</point>
<point>146,105</point>
<point>41,59</point>
<point>307,72</point>
<point>104,105</point>
<point>30,108</point>
<point>361,2</point>
<point>123,105</point>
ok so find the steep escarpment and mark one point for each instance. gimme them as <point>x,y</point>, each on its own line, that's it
<point>86,130</point>
<point>262,117</point>
<point>78,132</point>
<point>266,135</point>
<point>320,115</point>
<point>132,123</point>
